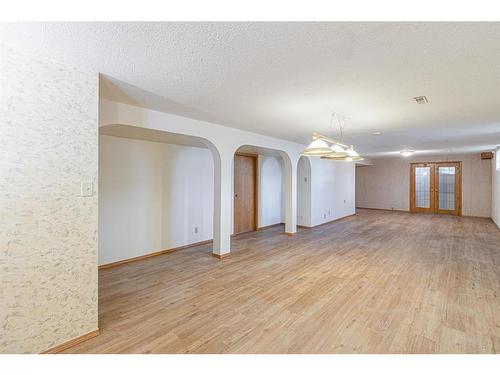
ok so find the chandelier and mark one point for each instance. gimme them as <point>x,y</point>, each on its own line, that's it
<point>330,148</point>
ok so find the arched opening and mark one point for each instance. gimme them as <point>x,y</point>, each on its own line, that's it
<point>156,192</point>
<point>259,188</point>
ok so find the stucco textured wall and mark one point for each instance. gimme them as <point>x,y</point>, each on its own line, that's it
<point>48,232</point>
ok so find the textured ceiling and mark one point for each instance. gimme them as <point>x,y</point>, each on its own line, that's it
<point>285,79</point>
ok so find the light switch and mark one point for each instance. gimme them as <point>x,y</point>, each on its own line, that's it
<point>86,188</point>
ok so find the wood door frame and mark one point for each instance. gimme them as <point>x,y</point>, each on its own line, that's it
<point>458,188</point>
<point>432,202</point>
<point>434,206</point>
<point>256,189</point>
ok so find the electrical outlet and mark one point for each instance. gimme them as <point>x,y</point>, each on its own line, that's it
<point>86,189</point>
<point>195,230</point>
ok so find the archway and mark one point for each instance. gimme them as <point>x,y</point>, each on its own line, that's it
<point>275,195</point>
<point>156,192</point>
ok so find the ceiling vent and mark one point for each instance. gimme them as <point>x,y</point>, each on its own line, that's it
<point>421,99</point>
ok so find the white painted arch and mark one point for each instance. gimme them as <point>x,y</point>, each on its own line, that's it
<point>290,162</point>
<point>223,142</point>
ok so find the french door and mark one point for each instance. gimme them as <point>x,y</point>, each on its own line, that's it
<point>436,187</point>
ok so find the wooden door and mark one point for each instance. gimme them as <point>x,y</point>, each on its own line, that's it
<point>448,188</point>
<point>245,193</point>
<point>422,187</point>
<point>436,188</point>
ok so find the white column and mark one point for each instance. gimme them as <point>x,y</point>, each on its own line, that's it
<point>290,189</point>
<point>223,205</point>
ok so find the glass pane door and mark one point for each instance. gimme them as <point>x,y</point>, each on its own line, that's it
<point>436,187</point>
<point>449,188</point>
<point>446,188</point>
<point>422,196</point>
<point>423,187</point>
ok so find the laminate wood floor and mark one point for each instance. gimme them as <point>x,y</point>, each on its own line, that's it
<point>377,282</point>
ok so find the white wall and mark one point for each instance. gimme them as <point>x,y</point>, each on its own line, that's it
<point>495,201</point>
<point>271,208</point>
<point>386,183</point>
<point>152,197</point>
<point>48,231</point>
<point>332,190</point>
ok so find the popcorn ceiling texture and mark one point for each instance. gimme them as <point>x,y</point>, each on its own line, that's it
<point>284,79</point>
<point>48,233</point>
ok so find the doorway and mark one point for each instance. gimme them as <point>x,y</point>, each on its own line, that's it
<point>436,187</point>
<point>245,193</point>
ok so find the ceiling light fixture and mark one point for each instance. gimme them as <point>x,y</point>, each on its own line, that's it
<point>318,147</point>
<point>329,148</point>
<point>407,153</point>
<point>377,133</point>
<point>339,150</point>
<point>353,154</point>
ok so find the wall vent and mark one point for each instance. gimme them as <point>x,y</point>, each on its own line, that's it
<point>421,99</point>
<point>486,155</point>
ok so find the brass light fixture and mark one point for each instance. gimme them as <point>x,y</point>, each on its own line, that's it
<point>318,147</point>
<point>330,148</point>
